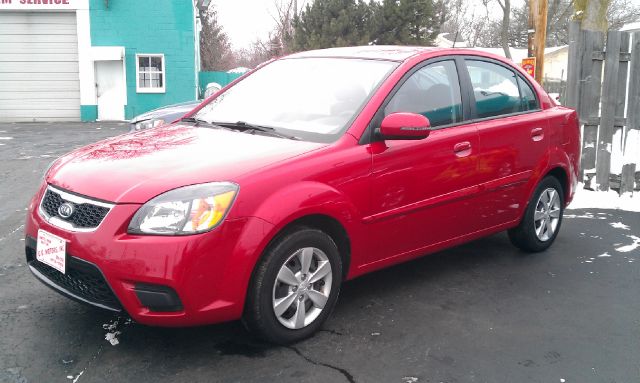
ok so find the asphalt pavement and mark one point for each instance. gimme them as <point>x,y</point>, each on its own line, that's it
<point>481,312</point>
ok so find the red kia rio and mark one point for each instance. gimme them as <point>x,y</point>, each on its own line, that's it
<point>311,170</point>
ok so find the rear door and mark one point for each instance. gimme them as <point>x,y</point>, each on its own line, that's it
<point>513,135</point>
<point>422,191</point>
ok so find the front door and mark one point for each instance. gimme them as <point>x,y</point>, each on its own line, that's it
<point>422,191</point>
<point>110,89</point>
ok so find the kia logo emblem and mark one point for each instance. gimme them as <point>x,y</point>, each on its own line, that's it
<point>66,210</point>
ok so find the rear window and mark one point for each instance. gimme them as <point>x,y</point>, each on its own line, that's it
<point>495,89</point>
<point>529,100</point>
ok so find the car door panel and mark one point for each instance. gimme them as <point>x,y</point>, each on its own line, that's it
<point>509,152</point>
<point>513,140</point>
<point>423,191</point>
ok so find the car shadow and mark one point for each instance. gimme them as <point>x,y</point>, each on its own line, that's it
<point>232,339</point>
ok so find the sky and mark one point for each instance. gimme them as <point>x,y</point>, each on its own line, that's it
<point>244,21</point>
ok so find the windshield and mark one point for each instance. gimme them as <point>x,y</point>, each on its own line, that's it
<point>311,98</point>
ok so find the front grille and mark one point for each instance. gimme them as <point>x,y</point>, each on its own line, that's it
<point>82,279</point>
<point>86,215</point>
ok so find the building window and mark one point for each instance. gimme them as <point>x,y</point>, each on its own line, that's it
<point>150,73</point>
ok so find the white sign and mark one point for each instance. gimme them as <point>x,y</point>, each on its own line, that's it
<point>43,5</point>
<point>51,250</point>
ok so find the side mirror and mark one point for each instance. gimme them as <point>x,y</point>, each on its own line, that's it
<point>405,126</point>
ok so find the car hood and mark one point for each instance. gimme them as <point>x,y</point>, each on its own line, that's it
<point>136,167</point>
<point>180,109</point>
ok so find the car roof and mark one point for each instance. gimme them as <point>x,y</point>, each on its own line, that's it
<point>373,52</point>
<point>390,52</point>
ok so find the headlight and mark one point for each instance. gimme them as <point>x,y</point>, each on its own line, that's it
<point>188,210</point>
<point>148,124</point>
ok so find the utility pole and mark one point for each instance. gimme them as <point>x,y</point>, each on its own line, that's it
<point>531,28</point>
<point>537,25</point>
<point>541,38</point>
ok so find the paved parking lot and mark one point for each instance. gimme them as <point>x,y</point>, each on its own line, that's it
<point>482,312</point>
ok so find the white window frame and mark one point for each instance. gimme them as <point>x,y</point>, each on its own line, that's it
<point>140,89</point>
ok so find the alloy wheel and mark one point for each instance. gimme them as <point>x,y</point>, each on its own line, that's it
<point>302,288</point>
<point>547,214</point>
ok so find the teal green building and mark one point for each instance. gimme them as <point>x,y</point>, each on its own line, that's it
<point>87,60</point>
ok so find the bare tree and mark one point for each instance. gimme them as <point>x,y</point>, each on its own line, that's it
<point>215,48</point>
<point>592,14</point>
<point>282,36</point>
<point>558,17</point>
<point>462,21</point>
<point>622,12</point>
<point>504,33</point>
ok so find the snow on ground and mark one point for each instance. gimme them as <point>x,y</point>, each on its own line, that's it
<point>619,225</point>
<point>75,378</point>
<point>587,199</point>
<point>627,248</point>
<point>113,328</point>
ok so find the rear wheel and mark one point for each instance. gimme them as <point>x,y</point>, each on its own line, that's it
<point>542,219</point>
<point>295,287</point>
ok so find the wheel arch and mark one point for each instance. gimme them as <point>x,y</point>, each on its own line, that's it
<point>330,226</point>
<point>561,175</point>
<point>320,221</point>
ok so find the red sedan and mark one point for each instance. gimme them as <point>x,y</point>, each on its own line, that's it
<point>311,170</point>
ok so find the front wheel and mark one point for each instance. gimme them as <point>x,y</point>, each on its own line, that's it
<point>295,287</point>
<point>542,219</point>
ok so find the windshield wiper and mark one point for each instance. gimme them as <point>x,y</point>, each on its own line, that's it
<point>195,120</point>
<point>246,127</point>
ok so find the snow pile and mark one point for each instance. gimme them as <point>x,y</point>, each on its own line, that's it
<point>239,69</point>
<point>631,148</point>
<point>587,199</point>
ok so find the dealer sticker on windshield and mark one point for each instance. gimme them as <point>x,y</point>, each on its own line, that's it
<point>51,250</point>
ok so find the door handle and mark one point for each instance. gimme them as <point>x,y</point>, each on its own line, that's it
<point>537,134</point>
<point>462,149</point>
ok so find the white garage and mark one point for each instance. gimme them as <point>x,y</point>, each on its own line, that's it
<point>39,70</point>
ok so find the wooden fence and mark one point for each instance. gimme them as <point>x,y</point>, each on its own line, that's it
<point>603,85</point>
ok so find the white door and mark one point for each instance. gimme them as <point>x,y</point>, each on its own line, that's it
<point>39,78</point>
<point>110,89</point>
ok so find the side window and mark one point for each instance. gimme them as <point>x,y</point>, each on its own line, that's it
<point>495,89</point>
<point>529,101</point>
<point>432,91</point>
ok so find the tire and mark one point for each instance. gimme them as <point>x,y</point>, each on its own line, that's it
<point>533,234</point>
<point>269,311</point>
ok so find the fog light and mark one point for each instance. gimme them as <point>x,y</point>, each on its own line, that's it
<point>158,298</point>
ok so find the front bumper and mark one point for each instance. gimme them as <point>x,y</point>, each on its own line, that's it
<point>83,281</point>
<point>209,272</point>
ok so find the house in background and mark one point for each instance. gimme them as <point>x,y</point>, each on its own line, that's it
<point>555,58</point>
<point>631,27</point>
<point>86,60</point>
